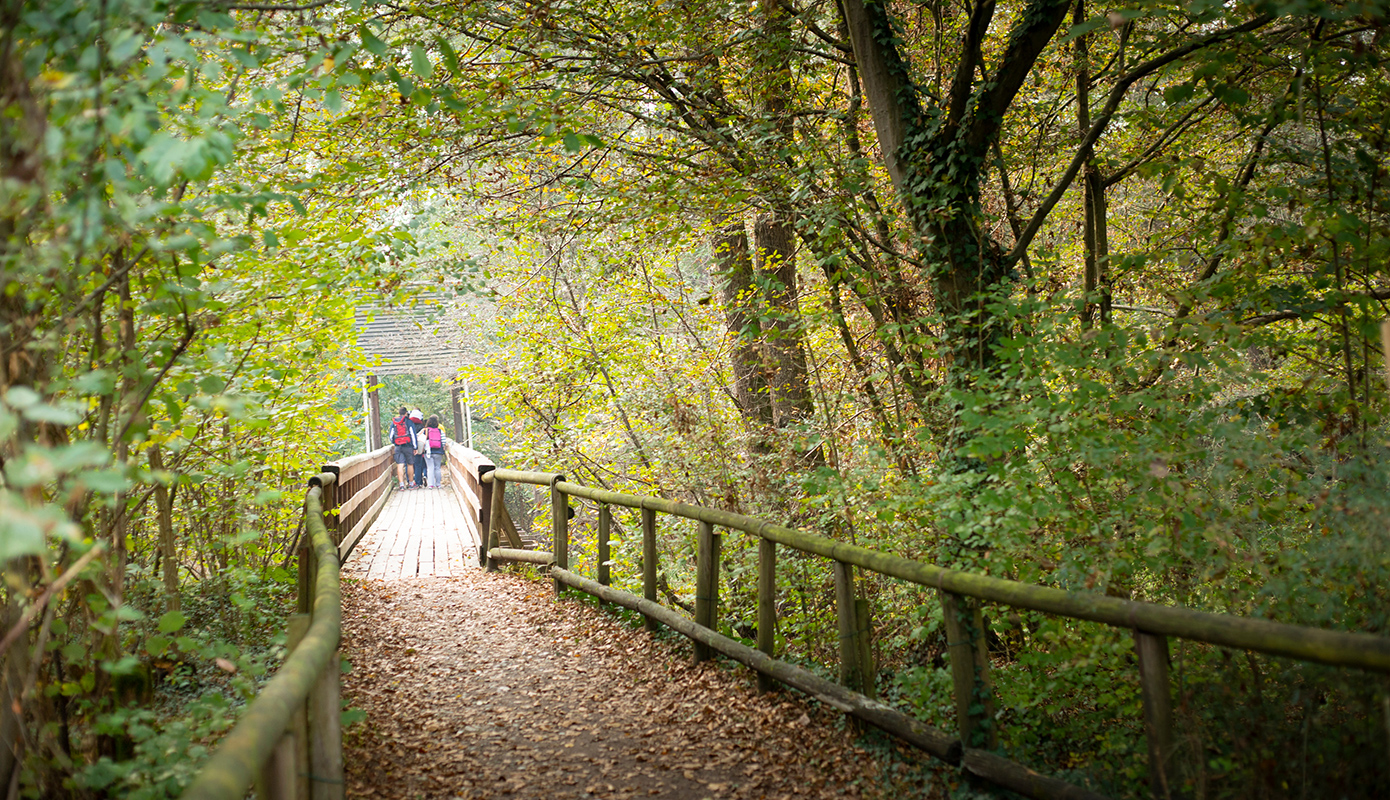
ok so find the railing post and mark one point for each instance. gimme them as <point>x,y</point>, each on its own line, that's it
<point>279,778</point>
<point>328,498</point>
<point>299,722</point>
<point>560,528</point>
<point>373,416</point>
<point>460,431</point>
<point>649,565</point>
<point>605,530</point>
<point>326,740</point>
<point>1152,651</point>
<point>497,504</point>
<point>306,575</point>
<point>767,606</point>
<point>706,585</point>
<point>864,635</point>
<point>851,672</point>
<point>965,642</point>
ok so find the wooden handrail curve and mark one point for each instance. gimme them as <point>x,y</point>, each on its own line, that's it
<point>241,754</point>
<point>288,742</point>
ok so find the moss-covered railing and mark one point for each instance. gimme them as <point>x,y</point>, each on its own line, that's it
<point>961,594</point>
<point>288,743</point>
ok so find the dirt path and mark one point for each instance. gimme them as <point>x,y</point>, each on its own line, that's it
<point>482,686</point>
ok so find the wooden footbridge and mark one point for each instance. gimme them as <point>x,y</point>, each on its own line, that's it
<point>288,743</point>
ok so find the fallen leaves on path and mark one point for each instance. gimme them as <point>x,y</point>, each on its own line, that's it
<point>484,686</point>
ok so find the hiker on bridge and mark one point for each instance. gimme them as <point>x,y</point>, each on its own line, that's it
<point>417,424</point>
<point>432,447</point>
<point>403,437</point>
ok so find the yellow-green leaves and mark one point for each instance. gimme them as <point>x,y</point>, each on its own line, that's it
<point>420,62</point>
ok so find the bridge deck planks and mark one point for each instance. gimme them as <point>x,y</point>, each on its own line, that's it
<point>420,533</point>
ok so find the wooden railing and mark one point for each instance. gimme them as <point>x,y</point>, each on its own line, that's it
<point>288,743</point>
<point>961,593</point>
<point>465,468</point>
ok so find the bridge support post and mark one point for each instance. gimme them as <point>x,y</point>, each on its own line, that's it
<point>460,428</point>
<point>649,565</point>
<point>1152,651</point>
<point>560,527</point>
<point>706,585</point>
<point>965,643</point>
<point>373,415</point>
<point>767,606</point>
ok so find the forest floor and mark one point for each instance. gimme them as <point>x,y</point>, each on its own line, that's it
<point>484,686</point>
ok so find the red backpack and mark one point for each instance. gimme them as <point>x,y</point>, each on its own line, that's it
<point>402,432</point>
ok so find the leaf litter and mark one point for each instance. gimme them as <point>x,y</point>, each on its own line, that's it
<point>484,686</point>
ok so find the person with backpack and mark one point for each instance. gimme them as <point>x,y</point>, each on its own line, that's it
<point>417,424</point>
<point>403,437</point>
<point>432,444</point>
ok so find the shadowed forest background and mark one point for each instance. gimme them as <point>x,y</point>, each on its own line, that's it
<point>1078,295</point>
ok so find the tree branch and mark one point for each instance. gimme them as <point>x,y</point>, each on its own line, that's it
<point>273,6</point>
<point>1112,104</point>
<point>1295,313</point>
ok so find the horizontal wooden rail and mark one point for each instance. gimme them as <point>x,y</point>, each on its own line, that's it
<point>1337,648</point>
<point>960,593</point>
<point>526,556</point>
<point>522,476</point>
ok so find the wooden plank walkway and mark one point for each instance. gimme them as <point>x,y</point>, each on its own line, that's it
<point>420,533</point>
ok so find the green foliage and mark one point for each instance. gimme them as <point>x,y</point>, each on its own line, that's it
<point>1186,410</point>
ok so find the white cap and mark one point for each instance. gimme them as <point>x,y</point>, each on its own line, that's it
<point>416,414</point>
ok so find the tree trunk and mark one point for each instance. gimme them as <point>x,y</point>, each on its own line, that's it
<point>1095,238</point>
<point>936,161</point>
<point>776,265</point>
<point>734,273</point>
<point>774,235</point>
<point>168,546</point>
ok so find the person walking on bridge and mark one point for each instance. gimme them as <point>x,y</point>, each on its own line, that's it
<point>403,437</point>
<point>417,425</point>
<point>432,445</point>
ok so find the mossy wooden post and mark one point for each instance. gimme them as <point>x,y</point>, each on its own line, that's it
<point>605,530</point>
<point>277,778</point>
<point>560,527</point>
<point>1152,651</point>
<point>706,585</point>
<point>328,496</point>
<point>851,674</point>
<point>649,564</point>
<point>326,736</point>
<point>306,576</point>
<point>767,607</point>
<point>965,643</point>
<point>299,722</point>
<point>497,506</point>
<point>864,630</point>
